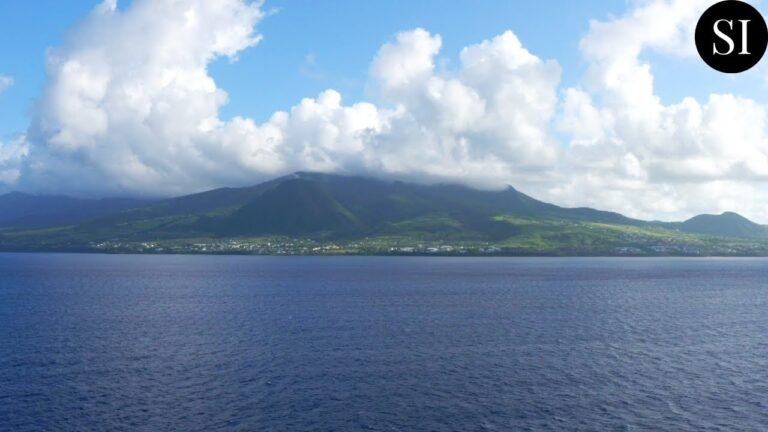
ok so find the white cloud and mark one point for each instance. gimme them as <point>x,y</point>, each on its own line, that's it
<point>650,159</point>
<point>5,82</point>
<point>129,98</point>
<point>486,123</point>
<point>11,156</point>
<point>129,107</point>
<point>11,153</point>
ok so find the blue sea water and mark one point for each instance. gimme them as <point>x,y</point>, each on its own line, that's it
<point>209,343</point>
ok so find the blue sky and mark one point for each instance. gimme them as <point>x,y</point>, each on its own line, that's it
<point>342,37</point>
<point>601,103</point>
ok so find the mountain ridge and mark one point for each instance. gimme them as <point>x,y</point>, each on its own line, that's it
<point>335,208</point>
<point>23,210</point>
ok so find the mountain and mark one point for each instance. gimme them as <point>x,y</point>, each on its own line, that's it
<point>332,206</point>
<point>727,224</point>
<point>307,204</point>
<point>310,212</point>
<point>19,210</point>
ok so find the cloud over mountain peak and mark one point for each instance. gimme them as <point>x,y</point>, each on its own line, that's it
<point>131,108</point>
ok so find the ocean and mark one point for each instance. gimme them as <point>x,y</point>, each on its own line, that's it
<point>217,343</point>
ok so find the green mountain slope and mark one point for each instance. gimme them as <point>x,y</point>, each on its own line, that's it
<point>293,207</point>
<point>313,212</point>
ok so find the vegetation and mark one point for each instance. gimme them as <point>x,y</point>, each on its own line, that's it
<point>324,214</point>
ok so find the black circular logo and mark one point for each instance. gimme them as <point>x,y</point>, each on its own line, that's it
<point>731,36</point>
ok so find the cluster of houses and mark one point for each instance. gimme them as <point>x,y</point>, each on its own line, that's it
<point>287,247</point>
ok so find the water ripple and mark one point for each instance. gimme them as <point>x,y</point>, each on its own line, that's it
<point>136,343</point>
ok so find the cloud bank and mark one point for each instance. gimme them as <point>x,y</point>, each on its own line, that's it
<point>130,108</point>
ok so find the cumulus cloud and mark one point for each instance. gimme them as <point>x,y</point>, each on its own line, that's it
<point>486,123</point>
<point>647,158</point>
<point>129,103</point>
<point>130,108</point>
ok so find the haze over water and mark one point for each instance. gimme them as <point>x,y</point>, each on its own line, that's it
<point>154,343</point>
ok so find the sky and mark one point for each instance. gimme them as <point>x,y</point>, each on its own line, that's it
<point>601,103</point>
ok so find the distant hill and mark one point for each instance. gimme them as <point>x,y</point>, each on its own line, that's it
<point>369,214</point>
<point>19,210</point>
<point>727,224</point>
